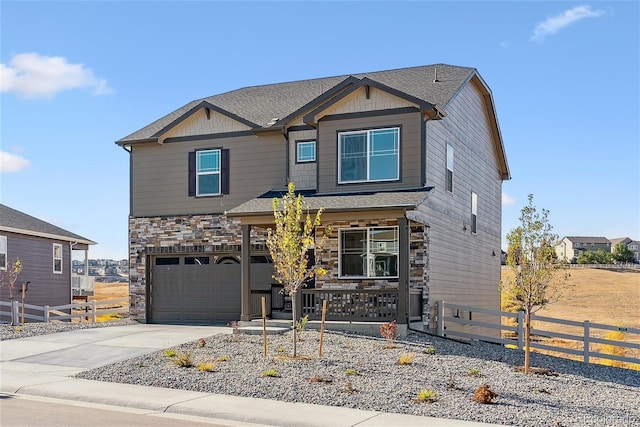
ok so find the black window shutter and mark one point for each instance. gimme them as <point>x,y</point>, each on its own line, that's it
<point>192,173</point>
<point>224,171</point>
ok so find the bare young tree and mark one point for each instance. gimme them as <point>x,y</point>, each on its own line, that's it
<point>9,277</point>
<point>289,243</point>
<point>532,257</point>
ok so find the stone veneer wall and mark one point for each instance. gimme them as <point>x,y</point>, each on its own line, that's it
<point>218,234</point>
<point>215,234</point>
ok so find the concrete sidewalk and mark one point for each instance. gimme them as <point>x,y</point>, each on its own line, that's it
<point>43,365</point>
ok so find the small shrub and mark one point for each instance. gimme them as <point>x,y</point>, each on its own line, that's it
<point>430,350</point>
<point>406,359</point>
<point>426,396</point>
<point>223,358</point>
<point>273,373</point>
<point>389,331</point>
<point>451,383</point>
<point>475,372</point>
<point>206,367</point>
<point>484,394</point>
<point>170,353</point>
<point>183,360</point>
<point>201,343</point>
<point>235,326</point>
<point>614,350</point>
<point>348,388</point>
<point>280,349</point>
<point>351,371</point>
<point>301,326</point>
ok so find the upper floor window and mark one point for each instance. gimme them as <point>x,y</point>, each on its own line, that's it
<point>209,172</point>
<point>449,177</point>
<point>57,258</point>
<point>3,252</point>
<point>305,151</point>
<point>369,155</point>
<point>369,252</point>
<point>474,212</point>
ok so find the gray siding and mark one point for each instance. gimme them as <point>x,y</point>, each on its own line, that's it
<point>160,174</point>
<point>410,150</point>
<point>36,254</point>
<point>462,265</point>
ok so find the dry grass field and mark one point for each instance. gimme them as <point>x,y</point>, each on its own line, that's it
<point>610,297</point>
<point>110,291</point>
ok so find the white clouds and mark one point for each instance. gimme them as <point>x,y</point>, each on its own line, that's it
<point>10,163</point>
<point>35,76</point>
<point>507,199</point>
<point>556,23</point>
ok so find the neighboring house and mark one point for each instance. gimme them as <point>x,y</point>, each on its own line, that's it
<point>407,163</point>
<point>570,247</point>
<point>634,246</point>
<point>45,251</point>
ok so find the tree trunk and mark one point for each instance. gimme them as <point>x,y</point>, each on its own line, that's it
<point>295,330</point>
<point>527,340</point>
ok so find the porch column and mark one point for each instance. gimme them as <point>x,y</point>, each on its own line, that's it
<point>403,271</point>
<point>245,286</point>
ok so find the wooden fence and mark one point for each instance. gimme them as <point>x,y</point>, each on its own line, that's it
<point>464,315</point>
<point>90,310</point>
<point>351,304</point>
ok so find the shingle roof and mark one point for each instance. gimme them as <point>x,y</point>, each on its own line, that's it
<point>335,202</point>
<point>260,104</point>
<point>15,221</point>
<point>582,239</point>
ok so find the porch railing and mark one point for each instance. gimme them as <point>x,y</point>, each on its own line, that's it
<point>351,304</point>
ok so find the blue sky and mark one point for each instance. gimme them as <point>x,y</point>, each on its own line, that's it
<point>77,76</point>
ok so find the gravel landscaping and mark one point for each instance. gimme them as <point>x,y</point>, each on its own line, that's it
<point>359,372</point>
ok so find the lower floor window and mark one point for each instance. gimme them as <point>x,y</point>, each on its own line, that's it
<point>369,252</point>
<point>57,258</point>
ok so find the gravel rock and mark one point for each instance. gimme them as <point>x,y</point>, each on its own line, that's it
<point>8,332</point>
<point>572,394</point>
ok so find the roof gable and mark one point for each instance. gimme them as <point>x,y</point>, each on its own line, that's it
<point>15,221</point>
<point>259,105</point>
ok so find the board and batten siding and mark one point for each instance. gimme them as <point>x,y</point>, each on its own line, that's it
<point>410,125</point>
<point>160,174</point>
<point>36,255</point>
<point>464,267</point>
<point>198,124</point>
<point>303,175</point>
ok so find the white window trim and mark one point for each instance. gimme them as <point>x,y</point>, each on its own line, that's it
<point>219,173</point>
<point>4,251</point>
<point>368,133</point>
<point>368,229</point>
<point>449,167</point>
<point>474,212</point>
<point>57,245</point>
<point>298,144</point>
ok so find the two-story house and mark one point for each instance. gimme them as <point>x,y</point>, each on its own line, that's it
<point>570,247</point>
<point>408,165</point>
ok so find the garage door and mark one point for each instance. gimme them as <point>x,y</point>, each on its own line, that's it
<point>194,290</point>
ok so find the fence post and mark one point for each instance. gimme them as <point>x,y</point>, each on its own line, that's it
<point>46,314</point>
<point>586,347</point>
<point>14,312</point>
<point>520,330</point>
<point>440,318</point>
<point>93,311</point>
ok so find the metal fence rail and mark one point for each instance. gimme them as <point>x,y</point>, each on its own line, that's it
<point>351,304</point>
<point>463,315</point>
